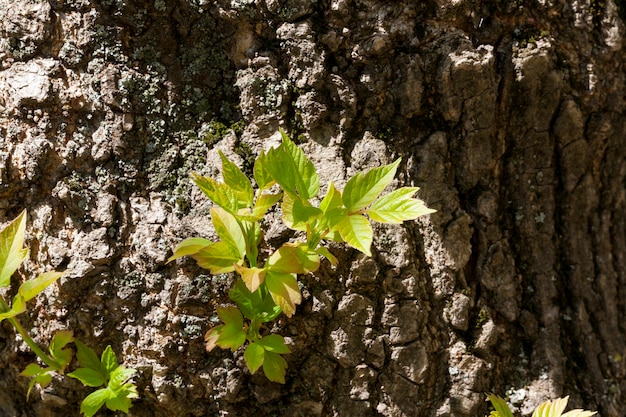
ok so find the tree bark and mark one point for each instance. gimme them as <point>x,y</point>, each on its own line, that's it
<point>509,116</point>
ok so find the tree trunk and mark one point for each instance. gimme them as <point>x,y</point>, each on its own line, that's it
<point>508,114</point>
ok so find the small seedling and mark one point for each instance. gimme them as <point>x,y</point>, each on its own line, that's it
<point>268,286</point>
<point>118,392</point>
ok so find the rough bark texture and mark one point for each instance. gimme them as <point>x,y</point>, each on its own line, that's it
<point>509,114</point>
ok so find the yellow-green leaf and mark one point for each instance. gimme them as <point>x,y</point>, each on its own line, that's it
<point>218,258</point>
<point>254,356</point>
<point>252,277</point>
<point>322,250</point>
<point>232,335</point>
<point>12,253</point>
<point>287,209</point>
<point>502,408</point>
<point>262,176</point>
<point>357,232</point>
<point>293,259</point>
<point>274,367</point>
<point>362,189</point>
<point>274,343</point>
<point>284,291</point>
<point>555,408</point>
<point>29,289</point>
<point>188,247</point>
<point>221,194</point>
<point>237,181</point>
<point>398,206</point>
<point>229,230</point>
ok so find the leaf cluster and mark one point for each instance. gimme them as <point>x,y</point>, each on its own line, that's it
<point>118,390</point>
<point>268,287</point>
<point>553,408</point>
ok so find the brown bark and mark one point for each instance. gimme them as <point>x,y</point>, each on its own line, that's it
<point>508,115</point>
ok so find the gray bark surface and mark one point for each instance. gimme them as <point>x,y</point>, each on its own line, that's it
<point>509,115</point>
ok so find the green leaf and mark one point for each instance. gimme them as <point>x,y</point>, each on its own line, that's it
<point>287,209</point>
<point>362,189</point>
<point>32,287</point>
<point>57,347</point>
<point>92,403</point>
<point>31,370</point>
<point>292,170</point>
<point>304,214</point>
<point>18,307</point>
<point>120,400</point>
<point>500,405</point>
<point>229,230</point>
<point>88,358</point>
<point>120,376</point>
<point>254,355</point>
<point>12,253</point>
<point>254,305</point>
<point>293,259</point>
<point>331,200</point>
<point>321,250</point>
<point>218,258</point>
<point>274,367</point>
<point>189,246</point>
<point>398,206</point>
<point>237,181</point>
<point>252,277</point>
<point>109,361</point>
<point>357,232</point>
<point>43,379</point>
<point>274,343</point>
<point>88,377</point>
<point>232,335</point>
<point>307,180</point>
<point>262,176</point>
<point>221,194</point>
<point>284,291</point>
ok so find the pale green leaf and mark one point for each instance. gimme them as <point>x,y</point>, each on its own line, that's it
<point>237,181</point>
<point>88,377</point>
<point>274,343</point>
<point>254,305</point>
<point>357,232</point>
<point>188,247</point>
<point>555,408</point>
<point>29,289</point>
<point>218,258</point>
<point>252,277</point>
<point>274,367</point>
<point>229,230</point>
<point>254,356</point>
<point>284,290</point>
<point>293,259</point>
<point>92,403</point>
<point>362,189</point>
<point>221,194</point>
<point>12,253</point>
<point>398,206</point>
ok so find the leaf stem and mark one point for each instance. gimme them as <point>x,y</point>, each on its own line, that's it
<point>29,341</point>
